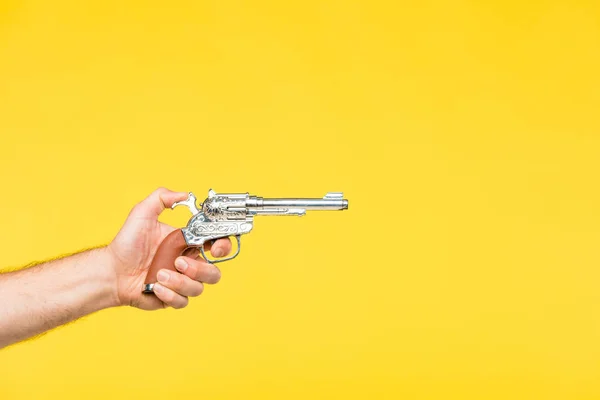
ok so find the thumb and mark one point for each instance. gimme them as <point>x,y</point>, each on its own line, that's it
<point>157,201</point>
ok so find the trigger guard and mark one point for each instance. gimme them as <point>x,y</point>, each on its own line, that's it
<point>239,242</point>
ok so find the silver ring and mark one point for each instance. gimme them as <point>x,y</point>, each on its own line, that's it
<point>148,288</point>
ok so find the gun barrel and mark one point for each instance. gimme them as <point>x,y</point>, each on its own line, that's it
<point>307,204</point>
<point>331,201</point>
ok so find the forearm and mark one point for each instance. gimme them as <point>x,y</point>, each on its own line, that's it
<point>43,297</point>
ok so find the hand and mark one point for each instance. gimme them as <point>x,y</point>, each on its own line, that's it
<point>134,247</point>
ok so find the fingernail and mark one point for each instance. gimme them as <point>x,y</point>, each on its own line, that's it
<point>180,264</point>
<point>163,276</point>
<point>157,288</point>
<point>218,252</point>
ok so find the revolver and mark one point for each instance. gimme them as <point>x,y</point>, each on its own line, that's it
<point>223,215</point>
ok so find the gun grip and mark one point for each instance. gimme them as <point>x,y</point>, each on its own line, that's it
<point>171,247</point>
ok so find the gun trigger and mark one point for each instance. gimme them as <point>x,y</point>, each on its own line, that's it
<point>214,261</point>
<point>208,260</point>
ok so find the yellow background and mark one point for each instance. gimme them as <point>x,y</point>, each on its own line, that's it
<point>465,135</point>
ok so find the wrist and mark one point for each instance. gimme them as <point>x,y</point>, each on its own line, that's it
<point>107,276</point>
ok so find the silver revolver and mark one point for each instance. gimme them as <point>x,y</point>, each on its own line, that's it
<point>223,215</point>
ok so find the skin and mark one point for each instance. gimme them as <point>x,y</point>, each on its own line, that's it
<point>42,297</point>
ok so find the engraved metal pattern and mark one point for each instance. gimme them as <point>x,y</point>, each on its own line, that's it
<point>222,208</point>
<point>223,215</point>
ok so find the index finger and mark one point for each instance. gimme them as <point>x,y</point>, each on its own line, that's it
<point>220,247</point>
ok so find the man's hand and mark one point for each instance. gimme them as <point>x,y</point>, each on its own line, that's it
<point>134,247</point>
<point>39,298</point>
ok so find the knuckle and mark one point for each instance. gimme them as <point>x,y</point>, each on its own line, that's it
<point>192,270</point>
<point>177,280</point>
<point>198,270</point>
<point>167,296</point>
<point>136,209</point>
